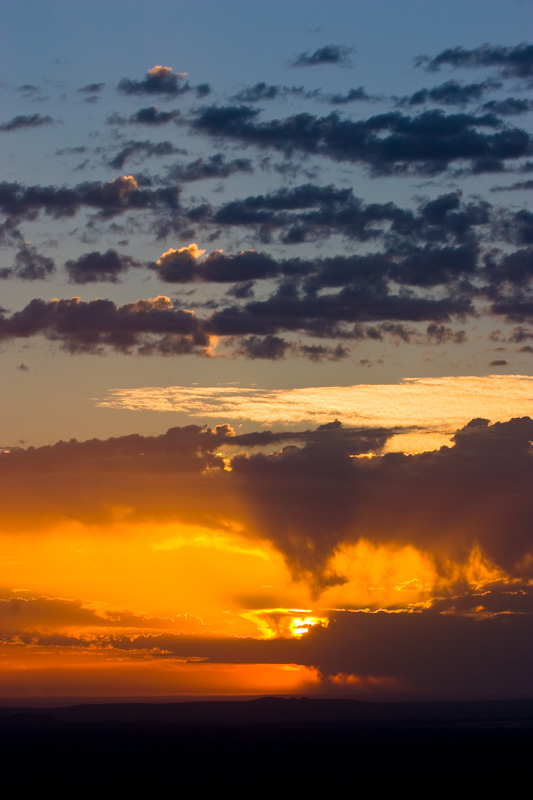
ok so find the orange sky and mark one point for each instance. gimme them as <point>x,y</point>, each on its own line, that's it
<point>163,560</point>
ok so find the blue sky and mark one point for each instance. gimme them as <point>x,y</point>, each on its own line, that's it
<point>51,51</point>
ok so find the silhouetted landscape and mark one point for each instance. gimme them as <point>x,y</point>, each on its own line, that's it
<point>279,735</point>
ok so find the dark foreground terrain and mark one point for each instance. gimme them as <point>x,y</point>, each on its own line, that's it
<point>272,742</point>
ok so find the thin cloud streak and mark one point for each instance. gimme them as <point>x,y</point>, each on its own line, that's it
<point>429,404</point>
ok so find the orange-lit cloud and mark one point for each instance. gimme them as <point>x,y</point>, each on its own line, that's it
<point>150,549</point>
<point>435,407</point>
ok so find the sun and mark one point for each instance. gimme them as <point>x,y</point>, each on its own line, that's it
<point>299,626</point>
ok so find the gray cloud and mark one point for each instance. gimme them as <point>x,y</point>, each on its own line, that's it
<point>26,121</point>
<point>336,54</point>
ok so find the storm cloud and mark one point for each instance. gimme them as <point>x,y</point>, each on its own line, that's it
<point>309,498</point>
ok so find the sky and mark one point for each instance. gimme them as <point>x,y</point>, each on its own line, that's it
<point>266,327</point>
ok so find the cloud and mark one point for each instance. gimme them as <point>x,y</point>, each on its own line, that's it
<point>425,404</point>
<point>351,96</point>
<point>269,347</point>
<point>44,616</point>
<point>145,149</point>
<point>511,62</point>
<point>390,143</point>
<point>151,116</point>
<point>335,54</point>
<point>308,499</point>
<point>263,91</point>
<point>95,266</point>
<point>161,329</point>
<point>144,116</point>
<point>508,107</point>
<point>114,197</point>
<point>310,212</point>
<point>455,93</point>
<point>29,265</point>
<point>209,167</point>
<point>514,187</point>
<point>189,264</point>
<point>324,315</point>
<point>26,121</point>
<point>422,650</point>
<point>144,326</point>
<point>92,88</point>
<point>158,80</point>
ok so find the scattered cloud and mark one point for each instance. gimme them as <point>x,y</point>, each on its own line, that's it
<point>511,62</point>
<point>158,80</point>
<point>26,121</point>
<point>336,54</point>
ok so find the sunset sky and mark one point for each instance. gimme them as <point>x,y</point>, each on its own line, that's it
<point>266,338</point>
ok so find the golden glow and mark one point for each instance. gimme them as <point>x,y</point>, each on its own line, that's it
<point>475,572</point>
<point>436,407</point>
<point>25,673</point>
<point>299,626</point>
<point>174,255</point>
<point>126,184</point>
<point>380,576</point>
<point>124,594</point>
<point>159,570</point>
<point>207,539</point>
<point>419,442</point>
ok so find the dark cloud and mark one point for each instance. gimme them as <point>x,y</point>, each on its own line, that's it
<point>514,187</point>
<point>269,347</point>
<point>262,91</point>
<point>92,267</point>
<point>443,333</point>
<point>514,307</point>
<point>26,121</point>
<point>421,651</point>
<point>331,315</point>
<point>180,266</point>
<point>309,498</point>
<point>151,116</point>
<point>145,326</point>
<point>144,116</point>
<point>112,198</point>
<point>319,352</point>
<point>515,269</point>
<point>511,62</point>
<point>453,93</point>
<point>204,168</point>
<point>69,151</point>
<point>352,96</point>
<point>202,90</point>
<point>144,149</point>
<point>29,265</point>
<point>92,88</point>
<point>309,212</point>
<point>329,54</point>
<point>158,80</point>
<point>390,143</point>
<point>521,334</point>
<point>511,106</point>
<point>448,501</point>
<point>516,227</point>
